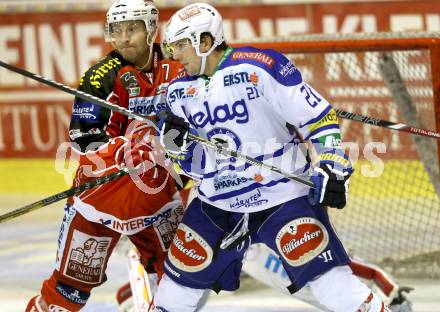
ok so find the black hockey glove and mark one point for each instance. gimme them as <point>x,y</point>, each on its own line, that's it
<point>331,177</point>
<point>174,132</point>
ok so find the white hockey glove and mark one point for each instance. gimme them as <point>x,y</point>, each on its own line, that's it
<point>331,176</point>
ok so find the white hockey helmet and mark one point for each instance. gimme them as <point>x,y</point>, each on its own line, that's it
<point>193,20</point>
<point>133,10</point>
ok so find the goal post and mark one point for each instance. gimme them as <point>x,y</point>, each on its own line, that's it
<point>393,213</point>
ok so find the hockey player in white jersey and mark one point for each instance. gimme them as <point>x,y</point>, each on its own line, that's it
<point>254,101</point>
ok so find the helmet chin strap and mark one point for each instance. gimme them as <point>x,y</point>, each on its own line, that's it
<point>204,57</point>
<point>202,65</point>
<point>148,60</point>
<point>150,42</point>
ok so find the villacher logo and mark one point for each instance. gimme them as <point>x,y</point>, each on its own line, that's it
<point>189,251</point>
<point>301,240</point>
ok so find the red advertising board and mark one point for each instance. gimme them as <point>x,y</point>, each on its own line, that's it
<point>62,45</point>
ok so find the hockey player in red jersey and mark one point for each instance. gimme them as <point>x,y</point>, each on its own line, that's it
<point>144,205</point>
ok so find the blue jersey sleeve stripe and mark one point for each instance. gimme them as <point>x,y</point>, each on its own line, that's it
<point>316,119</point>
<point>185,78</point>
<point>181,79</point>
<point>271,61</point>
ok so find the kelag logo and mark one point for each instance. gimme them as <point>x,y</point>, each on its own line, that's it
<point>219,114</point>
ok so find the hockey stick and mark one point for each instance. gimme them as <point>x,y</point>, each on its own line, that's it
<point>140,289</point>
<point>87,97</point>
<point>387,124</point>
<point>62,195</point>
<point>83,95</point>
<point>343,114</point>
<point>143,285</point>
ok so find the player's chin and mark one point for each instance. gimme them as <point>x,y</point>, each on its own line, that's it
<point>128,54</point>
<point>191,71</point>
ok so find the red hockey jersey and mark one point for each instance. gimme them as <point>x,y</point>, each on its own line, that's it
<point>140,92</point>
<point>130,204</point>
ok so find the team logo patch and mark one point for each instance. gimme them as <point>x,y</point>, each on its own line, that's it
<point>301,240</point>
<point>256,56</point>
<point>129,81</point>
<point>189,251</point>
<point>190,12</point>
<point>224,138</point>
<point>135,91</point>
<point>86,258</point>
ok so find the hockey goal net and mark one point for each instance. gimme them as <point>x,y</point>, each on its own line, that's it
<point>393,214</point>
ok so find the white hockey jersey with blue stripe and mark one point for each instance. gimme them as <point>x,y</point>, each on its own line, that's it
<point>257,103</point>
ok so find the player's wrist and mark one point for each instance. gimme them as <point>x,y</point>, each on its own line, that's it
<point>336,158</point>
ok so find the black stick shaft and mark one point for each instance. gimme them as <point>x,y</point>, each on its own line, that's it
<point>62,195</point>
<point>83,95</point>
<point>387,124</point>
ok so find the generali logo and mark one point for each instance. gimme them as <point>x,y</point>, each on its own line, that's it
<point>189,251</point>
<point>87,256</point>
<point>256,56</point>
<point>301,240</point>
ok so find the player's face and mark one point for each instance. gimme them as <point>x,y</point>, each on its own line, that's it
<point>130,39</point>
<point>185,53</point>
